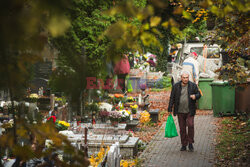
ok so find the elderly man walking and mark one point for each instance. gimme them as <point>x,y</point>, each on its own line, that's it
<point>183,98</point>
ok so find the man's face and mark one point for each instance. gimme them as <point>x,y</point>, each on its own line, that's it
<point>184,78</point>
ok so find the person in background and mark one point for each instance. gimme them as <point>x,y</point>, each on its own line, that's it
<point>192,66</point>
<point>122,69</point>
<point>110,75</point>
<point>131,60</point>
<point>183,98</point>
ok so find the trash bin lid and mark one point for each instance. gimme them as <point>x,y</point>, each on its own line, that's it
<point>206,79</point>
<point>219,83</point>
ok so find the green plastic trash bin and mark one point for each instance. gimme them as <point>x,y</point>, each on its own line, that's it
<point>223,98</point>
<point>205,102</point>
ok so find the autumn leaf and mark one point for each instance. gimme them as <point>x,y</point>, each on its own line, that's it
<point>154,21</point>
<point>187,15</point>
<point>165,24</point>
<point>58,25</point>
<point>178,10</point>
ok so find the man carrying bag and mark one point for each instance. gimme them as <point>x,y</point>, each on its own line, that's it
<point>170,129</point>
<point>183,98</point>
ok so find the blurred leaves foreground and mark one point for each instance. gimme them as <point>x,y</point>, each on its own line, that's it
<point>41,141</point>
<point>24,31</point>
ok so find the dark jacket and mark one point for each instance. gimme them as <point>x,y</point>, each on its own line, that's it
<point>176,94</point>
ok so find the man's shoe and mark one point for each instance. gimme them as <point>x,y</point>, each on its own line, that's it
<point>190,147</point>
<point>183,148</point>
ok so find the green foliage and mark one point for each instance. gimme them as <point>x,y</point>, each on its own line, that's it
<point>192,30</point>
<point>92,107</point>
<point>128,36</point>
<point>232,33</point>
<point>24,29</point>
<point>22,36</point>
<point>61,99</point>
<point>234,73</point>
<point>164,82</point>
<point>232,141</point>
<point>87,48</point>
<point>84,54</point>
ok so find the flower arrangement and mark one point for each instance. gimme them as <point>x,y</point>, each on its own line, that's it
<point>130,99</point>
<point>128,163</point>
<point>151,62</point>
<point>8,125</point>
<point>130,133</point>
<point>92,107</point>
<point>145,64</point>
<point>118,107</point>
<point>143,86</point>
<point>124,115</point>
<point>61,100</point>
<point>152,56</point>
<point>134,108</point>
<point>144,117</point>
<point>114,115</point>
<point>118,95</point>
<point>137,55</point>
<point>117,98</point>
<point>62,125</point>
<point>104,113</point>
<point>137,66</point>
<point>96,160</point>
<point>33,95</point>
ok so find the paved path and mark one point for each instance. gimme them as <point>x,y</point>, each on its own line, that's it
<point>164,152</point>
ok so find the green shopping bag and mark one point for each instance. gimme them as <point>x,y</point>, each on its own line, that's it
<point>130,88</point>
<point>129,84</point>
<point>170,129</point>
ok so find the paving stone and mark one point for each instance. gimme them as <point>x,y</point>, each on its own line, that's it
<point>164,152</point>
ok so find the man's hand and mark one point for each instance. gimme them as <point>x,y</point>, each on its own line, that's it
<point>192,97</point>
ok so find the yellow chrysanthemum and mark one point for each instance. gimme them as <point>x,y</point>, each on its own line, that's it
<point>33,95</point>
<point>144,117</point>
<point>128,112</point>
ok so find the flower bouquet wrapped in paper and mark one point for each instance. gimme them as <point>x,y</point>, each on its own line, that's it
<point>61,125</point>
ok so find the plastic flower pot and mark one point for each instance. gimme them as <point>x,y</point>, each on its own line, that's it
<point>134,111</point>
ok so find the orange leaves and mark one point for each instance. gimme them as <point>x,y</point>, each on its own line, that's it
<point>22,132</point>
<point>128,163</point>
<point>96,160</point>
<point>201,14</point>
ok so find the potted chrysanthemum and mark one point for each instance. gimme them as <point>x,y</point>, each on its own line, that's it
<point>62,125</point>
<point>114,117</point>
<point>134,108</point>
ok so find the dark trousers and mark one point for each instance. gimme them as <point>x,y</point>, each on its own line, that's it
<point>185,120</point>
<point>121,81</point>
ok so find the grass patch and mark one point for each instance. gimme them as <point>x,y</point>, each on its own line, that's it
<point>233,143</point>
<point>159,90</point>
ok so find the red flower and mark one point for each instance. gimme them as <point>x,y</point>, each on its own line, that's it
<point>53,117</point>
